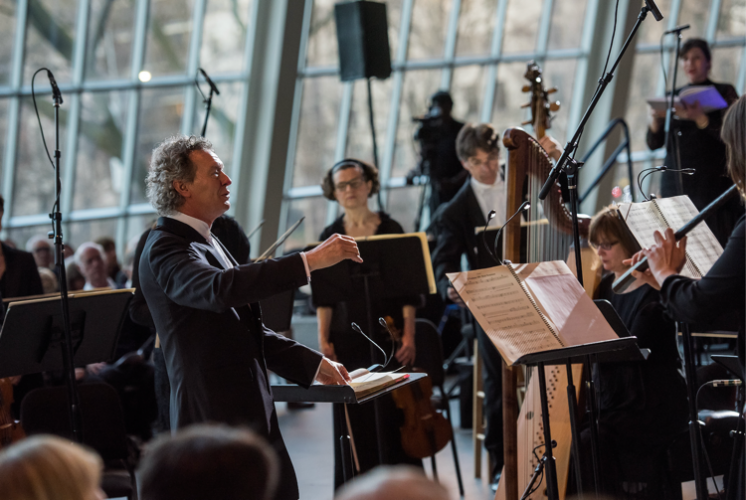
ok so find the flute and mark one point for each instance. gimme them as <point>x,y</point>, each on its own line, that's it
<point>626,279</point>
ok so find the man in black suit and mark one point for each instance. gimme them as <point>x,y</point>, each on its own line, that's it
<point>205,305</point>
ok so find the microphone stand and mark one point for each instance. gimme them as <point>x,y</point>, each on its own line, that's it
<point>59,257</point>
<point>570,166</point>
<point>669,115</point>
<point>207,100</point>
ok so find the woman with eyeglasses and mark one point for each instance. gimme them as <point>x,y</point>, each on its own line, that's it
<point>351,183</point>
<point>642,404</point>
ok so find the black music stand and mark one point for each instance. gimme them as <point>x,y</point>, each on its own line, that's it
<point>338,395</point>
<point>33,331</point>
<point>624,348</point>
<point>394,266</point>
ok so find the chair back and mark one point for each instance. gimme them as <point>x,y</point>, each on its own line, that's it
<point>45,411</point>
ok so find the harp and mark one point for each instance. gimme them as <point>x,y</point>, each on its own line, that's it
<point>549,237</point>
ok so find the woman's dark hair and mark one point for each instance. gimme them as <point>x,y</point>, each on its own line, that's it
<point>608,225</point>
<point>733,134</point>
<point>696,43</point>
<point>370,173</point>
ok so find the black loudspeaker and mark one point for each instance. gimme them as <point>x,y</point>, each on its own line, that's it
<point>363,38</point>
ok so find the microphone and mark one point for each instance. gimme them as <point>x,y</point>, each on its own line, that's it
<point>524,206</point>
<point>654,9</point>
<point>212,85</point>
<point>677,29</point>
<point>56,94</point>
<point>376,367</point>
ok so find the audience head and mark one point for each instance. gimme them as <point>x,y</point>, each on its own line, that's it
<point>393,483</point>
<point>49,468</point>
<point>75,280</point>
<point>209,461</point>
<point>110,253</point>
<point>697,59</point>
<point>187,176</point>
<point>41,247</point>
<point>733,134</point>
<point>478,150</point>
<point>612,240</point>
<point>48,280</point>
<point>90,260</point>
<point>351,182</point>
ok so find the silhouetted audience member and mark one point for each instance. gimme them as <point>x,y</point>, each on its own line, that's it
<point>113,269</point>
<point>75,280</point>
<point>91,260</point>
<point>48,280</point>
<point>209,461</point>
<point>401,482</point>
<point>43,251</point>
<point>49,468</point>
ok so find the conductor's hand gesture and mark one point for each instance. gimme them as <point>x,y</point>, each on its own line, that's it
<point>332,251</point>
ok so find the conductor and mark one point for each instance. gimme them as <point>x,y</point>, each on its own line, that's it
<point>205,305</point>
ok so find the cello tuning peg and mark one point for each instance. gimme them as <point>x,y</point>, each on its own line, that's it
<point>527,88</point>
<point>527,122</point>
<point>527,105</point>
<point>555,106</point>
<point>552,90</point>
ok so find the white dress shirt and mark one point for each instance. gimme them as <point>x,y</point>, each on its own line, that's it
<point>491,197</point>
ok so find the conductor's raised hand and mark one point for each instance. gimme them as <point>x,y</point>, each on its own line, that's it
<point>332,373</point>
<point>335,249</point>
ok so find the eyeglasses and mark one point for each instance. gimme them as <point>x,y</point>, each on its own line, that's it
<point>354,184</point>
<point>605,246</point>
<point>492,157</point>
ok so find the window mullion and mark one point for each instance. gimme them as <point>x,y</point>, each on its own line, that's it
<point>495,51</point>
<point>190,93</point>
<point>450,45</point>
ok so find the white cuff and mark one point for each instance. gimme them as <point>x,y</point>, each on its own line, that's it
<point>305,264</point>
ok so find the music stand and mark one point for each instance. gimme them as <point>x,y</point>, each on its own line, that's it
<point>338,395</point>
<point>32,334</point>
<point>394,266</point>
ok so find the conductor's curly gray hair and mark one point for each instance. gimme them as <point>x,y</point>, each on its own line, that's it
<point>170,162</point>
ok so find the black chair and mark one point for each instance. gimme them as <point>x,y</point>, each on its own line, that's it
<point>45,411</point>
<point>430,360</point>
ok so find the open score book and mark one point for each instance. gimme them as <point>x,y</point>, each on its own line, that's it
<point>530,308</point>
<point>643,219</point>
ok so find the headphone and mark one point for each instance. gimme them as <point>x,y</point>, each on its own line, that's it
<point>348,161</point>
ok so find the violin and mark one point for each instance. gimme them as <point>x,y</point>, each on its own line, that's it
<point>425,430</point>
<point>10,430</point>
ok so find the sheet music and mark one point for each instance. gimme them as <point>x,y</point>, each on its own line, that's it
<point>504,311</point>
<point>643,219</point>
<point>702,248</point>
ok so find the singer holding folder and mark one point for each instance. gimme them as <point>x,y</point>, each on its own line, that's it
<point>205,306</point>
<point>351,183</point>
<point>696,144</point>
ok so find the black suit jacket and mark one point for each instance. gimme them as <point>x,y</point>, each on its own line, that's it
<point>21,277</point>
<point>455,229</point>
<point>216,348</point>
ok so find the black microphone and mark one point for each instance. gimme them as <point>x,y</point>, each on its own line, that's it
<point>677,29</point>
<point>654,9</point>
<point>376,367</point>
<point>210,82</point>
<point>524,206</point>
<point>56,94</point>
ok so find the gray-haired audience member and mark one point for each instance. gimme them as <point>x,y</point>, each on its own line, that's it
<point>209,461</point>
<point>40,246</point>
<point>393,483</point>
<point>90,258</point>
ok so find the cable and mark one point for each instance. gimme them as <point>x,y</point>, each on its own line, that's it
<point>38,118</point>
<point>613,35</point>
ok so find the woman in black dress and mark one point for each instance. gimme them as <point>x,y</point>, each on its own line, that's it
<point>642,404</point>
<point>350,183</point>
<point>722,291</point>
<point>695,143</point>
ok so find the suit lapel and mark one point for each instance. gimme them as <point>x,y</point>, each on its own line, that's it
<point>476,217</point>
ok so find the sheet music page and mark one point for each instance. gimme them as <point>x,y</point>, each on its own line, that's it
<point>702,248</point>
<point>577,319</point>
<point>643,219</point>
<point>504,311</point>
